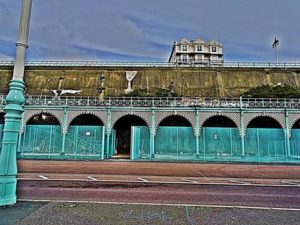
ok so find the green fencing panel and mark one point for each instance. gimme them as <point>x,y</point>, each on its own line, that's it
<point>265,145</point>
<point>111,145</point>
<point>41,141</point>
<point>140,142</point>
<point>295,145</point>
<point>84,141</point>
<point>220,144</point>
<point>175,143</point>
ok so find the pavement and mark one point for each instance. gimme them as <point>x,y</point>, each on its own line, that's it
<point>171,169</point>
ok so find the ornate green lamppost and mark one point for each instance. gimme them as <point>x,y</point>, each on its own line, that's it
<point>13,111</point>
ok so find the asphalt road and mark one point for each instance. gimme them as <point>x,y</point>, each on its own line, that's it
<point>200,194</point>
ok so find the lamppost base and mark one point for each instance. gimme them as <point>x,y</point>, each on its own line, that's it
<point>8,186</point>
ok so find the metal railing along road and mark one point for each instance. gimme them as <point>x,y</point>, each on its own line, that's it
<point>282,65</point>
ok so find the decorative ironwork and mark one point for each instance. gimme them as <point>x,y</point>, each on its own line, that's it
<point>161,115</point>
<point>249,116</point>
<point>116,115</point>
<point>28,114</point>
<point>72,114</point>
<point>234,116</point>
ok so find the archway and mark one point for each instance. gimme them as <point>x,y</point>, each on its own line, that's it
<point>220,139</point>
<point>264,140</point>
<point>123,134</point>
<point>295,141</point>
<point>42,137</point>
<point>2,118</point>
<point>175,139</point>
<point>85,137</point>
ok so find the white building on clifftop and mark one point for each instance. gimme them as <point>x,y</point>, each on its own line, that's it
<point>196,52</point>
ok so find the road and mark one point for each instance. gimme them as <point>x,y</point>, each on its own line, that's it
<point>169,193</point>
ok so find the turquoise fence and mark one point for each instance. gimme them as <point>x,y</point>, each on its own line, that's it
<point>218,145</point>
<point>41,141</point>
<point>111,145</point>
<point>46,141</point>
<point>85,142</point>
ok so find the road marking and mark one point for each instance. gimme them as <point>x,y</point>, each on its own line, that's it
<point>190,180</point>
<point>291,183</point>
<point>142,179</point>
<point>166,204</point>
<point>239,182</point>
<point>43,177</point>
<point>92,178</point>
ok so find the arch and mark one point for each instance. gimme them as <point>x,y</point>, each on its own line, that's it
<point>175,120</point>
<point>123,132</point>
<point>86,119</point>
<point>279,117</point>
<point>296,125</point>
<point>43,117</point>
<point>116,115</point>
<point>264,122</point>
<point>101,115</point>
<point>189,116</point>
<point>28,114</point>
<point>219,121</point>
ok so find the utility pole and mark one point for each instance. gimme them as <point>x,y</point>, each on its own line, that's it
<point>13,114</point>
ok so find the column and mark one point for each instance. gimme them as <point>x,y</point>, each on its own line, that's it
<point>242,133</point>
<point>152,135</point>
<point>287,136</point>
<point>197,134</point>
<point>64,132</point>
<point>108,133</point>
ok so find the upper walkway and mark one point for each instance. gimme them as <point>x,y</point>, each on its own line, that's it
<point>283,65</point>
<point>158,102</point>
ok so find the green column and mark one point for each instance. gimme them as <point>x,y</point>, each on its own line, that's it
<point>242,133</point>
<point>152,135</point>
<point>108,133</point>
<point>197,134</point>
<point>64,133</point>
<point>287,135</point>
<point>8,161</point>
<point>14,109</point>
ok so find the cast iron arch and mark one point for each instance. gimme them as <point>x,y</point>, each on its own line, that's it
<point>88,115</point>
<point>269,122</point>
<point>40,114</point>
<point>296,125</point>
<point>220,121</point>
<point>145,116</point>
<point>172,119</point>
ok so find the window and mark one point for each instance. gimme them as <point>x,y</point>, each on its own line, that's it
<point>214,49</point>
<point>199,48</point>
<point>184,47</point>
<point>184,58</point>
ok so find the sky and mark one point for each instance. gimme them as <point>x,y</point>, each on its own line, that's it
<point>144,30</point>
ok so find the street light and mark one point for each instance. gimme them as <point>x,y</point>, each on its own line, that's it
<point>14,109</point>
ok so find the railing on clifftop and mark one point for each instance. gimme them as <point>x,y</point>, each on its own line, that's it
<point>160,102</point>
<point>265,65</point>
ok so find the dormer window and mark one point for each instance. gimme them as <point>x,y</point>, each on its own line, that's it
<point>184,47</point>
<point>214,49</point>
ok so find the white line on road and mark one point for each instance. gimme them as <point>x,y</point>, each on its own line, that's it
<point>190,180</point>
<point>43,177</point>
<point>164,204</point>
<point>92,178</point>
<point>142,179</point>
<point>239,182</point>
<point>291,183</point>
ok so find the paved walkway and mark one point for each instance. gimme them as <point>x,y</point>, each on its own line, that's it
<point>161,169</point>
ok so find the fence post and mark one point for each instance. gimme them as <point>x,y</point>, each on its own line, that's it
<point>152,135</point>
